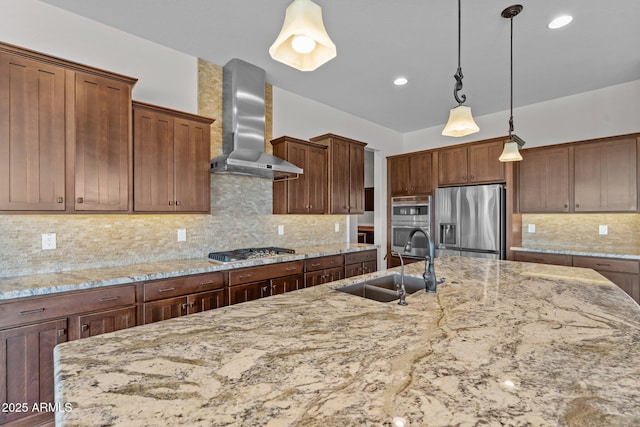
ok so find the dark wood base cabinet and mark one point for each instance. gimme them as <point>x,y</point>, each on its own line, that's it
<point>323,270</point>
<point>358,263</point>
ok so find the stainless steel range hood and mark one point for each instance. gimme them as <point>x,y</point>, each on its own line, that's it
<point>244,125</point>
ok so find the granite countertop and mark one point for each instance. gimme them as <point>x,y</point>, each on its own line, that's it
<point>609,253</point>
<point>500,343</point>
<point>46,284</point>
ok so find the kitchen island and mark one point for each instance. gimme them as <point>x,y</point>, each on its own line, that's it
<point>500,343</point>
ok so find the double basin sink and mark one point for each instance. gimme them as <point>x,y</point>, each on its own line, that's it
<point>383,289</point>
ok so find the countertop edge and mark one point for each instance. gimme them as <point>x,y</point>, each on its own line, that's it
<point>577,253</point>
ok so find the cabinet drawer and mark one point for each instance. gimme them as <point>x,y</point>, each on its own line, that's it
<point>265,272</point>
<point>607,264</point>
<point>324,262</point>
<point>36,309</point>
<point>358,257</point>
<point>542,258</point>
<point>168,288</point>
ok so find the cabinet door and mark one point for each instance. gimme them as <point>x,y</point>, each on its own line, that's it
<point>398,175</point>
<point>340,177</point>
<point>352,270</point>
<point>452,166</point>
<point>298,189</point>
<point>102,143</point>
<point>356,179</point>
<point>484,165</point>
<point>204,301</point>
<point>32,135</point>
<point>317,180</point>
<point>314,278</point>
<point>153,172</point>
<point>164,309</point>
<point>630,283</point>
<point>544,180</point>
<point>89,325</point>
<point>605,176</point>
<point>420,173</point>
<point>369,267</point>
<point>287,284</point>
<point>247,292</point>
<point>26,355</point>
<point>333,274</point>
<point>192,175</point>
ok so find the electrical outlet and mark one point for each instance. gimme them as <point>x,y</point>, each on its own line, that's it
<point>182,235</point>
<point>48,241</point>
<point>531,228</point>
<point>280,230</point>
<point>603,230</point>
<point>336,228</point>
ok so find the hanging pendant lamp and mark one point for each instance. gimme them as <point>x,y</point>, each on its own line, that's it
<point>510,153</point>
<point>303,42</point>
<point>461,121</point>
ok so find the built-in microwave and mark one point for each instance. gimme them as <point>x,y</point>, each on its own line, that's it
<point>407,214</point>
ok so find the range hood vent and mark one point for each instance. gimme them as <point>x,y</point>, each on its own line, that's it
<point>243,126</point>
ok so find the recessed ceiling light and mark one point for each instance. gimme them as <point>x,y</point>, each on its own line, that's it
<point>400,81</point>
<point>560,22</point>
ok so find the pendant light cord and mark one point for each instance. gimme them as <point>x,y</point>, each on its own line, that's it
<point>458,75</point>
<point>511,89</point>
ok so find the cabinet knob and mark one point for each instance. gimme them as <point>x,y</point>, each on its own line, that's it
<point>566,205</point>
<point>464,177</point>
<point>170,202</point>
<point>84,328</point>
<point>577,205</point>
<point>62,332</point>
<point>80,200</point>
<point>59,200</point>
<point>178,203</point>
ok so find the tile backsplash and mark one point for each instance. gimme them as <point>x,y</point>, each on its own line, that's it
<point>240,217</point>
<point>581,231</point>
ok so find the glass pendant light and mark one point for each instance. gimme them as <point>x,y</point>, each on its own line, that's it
<point>303,42</point>
<point>460,122</point>
<point>510,153</point>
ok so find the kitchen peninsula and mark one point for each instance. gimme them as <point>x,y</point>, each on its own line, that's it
<point>500,343</point>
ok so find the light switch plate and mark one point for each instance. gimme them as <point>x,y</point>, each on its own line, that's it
<point>280,230</point>
<point>48,241</point>
<point>336,228</point>
<point>603,230</point>
<point>531,228</point>
<point>182,235</point>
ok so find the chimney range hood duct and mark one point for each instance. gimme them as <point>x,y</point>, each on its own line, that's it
<point>244,126</point>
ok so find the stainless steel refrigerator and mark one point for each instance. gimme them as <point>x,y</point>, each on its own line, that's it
<point>470,221</point>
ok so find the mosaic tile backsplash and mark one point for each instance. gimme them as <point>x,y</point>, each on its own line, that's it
<point>581,231</point>
<point>240,217</point>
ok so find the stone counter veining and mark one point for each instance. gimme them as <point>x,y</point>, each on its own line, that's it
<point>500,343</point>
<point>46,284</point>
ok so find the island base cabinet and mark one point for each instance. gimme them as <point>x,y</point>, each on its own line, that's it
<point>27,354</point>
<point>206,301</point>
<point>89,325</point>
<point>287,284</point>
<point>358,263</point>
<point>247,292</point>
<point>316,278</point>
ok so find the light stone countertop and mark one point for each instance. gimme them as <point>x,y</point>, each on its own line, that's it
<point>500,343</point>
<point>610,253</point>
<point>51,283</point>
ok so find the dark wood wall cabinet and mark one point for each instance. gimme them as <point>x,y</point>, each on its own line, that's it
<point>306,194</point>
<point>588,176</point>
<point>65,135</point>
<point>345,173</point>
<point>410,174</point>
<point>171,160</point>
<point>474,163</point>
<point>623,272</point>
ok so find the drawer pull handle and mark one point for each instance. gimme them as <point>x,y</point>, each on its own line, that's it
<point>107,299</point>
<point>245,276</point>
<point>290,268</point>
<point>167,289</point>
<point>315,265</point>
<point>84,328</point>
<point>603,265</point>
<point>28,312</point>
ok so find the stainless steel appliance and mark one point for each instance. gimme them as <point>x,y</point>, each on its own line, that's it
<point>470,221</point>
<point>407,213</point>
<point>248,253</point>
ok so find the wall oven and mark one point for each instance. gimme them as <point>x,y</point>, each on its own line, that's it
<point>407,213</point>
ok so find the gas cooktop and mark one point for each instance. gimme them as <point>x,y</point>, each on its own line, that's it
<point>248,253</point>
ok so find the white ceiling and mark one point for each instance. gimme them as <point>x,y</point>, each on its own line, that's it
<point>378,40</point>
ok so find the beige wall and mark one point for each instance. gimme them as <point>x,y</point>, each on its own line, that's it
<point>580,232</point>
<point>240,217</point>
